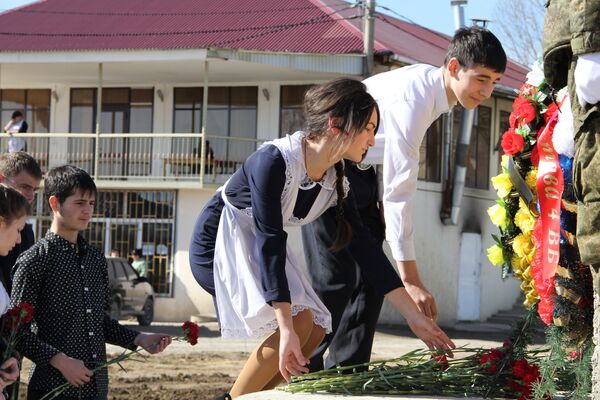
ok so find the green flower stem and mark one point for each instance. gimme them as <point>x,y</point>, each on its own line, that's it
<point>57,391</point>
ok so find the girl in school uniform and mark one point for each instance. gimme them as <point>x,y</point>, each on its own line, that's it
<point>239,251</point>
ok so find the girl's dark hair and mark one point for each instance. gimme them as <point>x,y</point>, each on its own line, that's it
<point>65,180</point>
<point>348,102</point>
<point>12,204</point>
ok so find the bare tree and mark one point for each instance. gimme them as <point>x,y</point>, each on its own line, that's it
<point>519,25</point>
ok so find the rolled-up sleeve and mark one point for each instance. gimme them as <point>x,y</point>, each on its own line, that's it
<point>404,124</point>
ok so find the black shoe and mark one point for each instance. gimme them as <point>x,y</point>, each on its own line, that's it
<point>225,396</point>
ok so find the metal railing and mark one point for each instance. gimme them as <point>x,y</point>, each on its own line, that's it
<point>139,157</point>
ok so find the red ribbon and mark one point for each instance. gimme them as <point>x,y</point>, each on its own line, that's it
<point>550,187</point>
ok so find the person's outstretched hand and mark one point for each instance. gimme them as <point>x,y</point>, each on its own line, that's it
<point>291,359</point>
<point>430,333</point>
<point>153,343</point>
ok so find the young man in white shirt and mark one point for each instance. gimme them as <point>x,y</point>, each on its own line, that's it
<point>410,99</point>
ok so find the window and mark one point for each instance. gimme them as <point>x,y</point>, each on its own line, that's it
<point>35,106</point>
<point>129,272</point>
<point>232,113</point>
<point>430,152</point>
<point>119,271</point>
<point>478,156</point>
<point>124,110</point>
<point>504,126</point>
<point>291,109</point>
<point>111,271</point>
<point>127,220</point>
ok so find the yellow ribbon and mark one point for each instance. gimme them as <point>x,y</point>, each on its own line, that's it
<point>568,294</point>
<point>569,206</point>
<point>562,321</point>
<point>563,272</point>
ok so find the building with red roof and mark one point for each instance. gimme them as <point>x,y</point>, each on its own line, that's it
<point>154,60</point>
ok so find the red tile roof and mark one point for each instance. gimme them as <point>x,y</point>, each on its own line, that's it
<point>298,26</point>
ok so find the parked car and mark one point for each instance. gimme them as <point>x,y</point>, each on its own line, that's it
<point>131,294</point>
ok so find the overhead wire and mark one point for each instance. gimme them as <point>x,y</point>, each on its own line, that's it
<point>323,18</point>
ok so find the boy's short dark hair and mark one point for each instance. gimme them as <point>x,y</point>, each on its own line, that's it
<point>65,180</point>
<point>12,164</point>
<point>477,46</point>
<point>17,114</point>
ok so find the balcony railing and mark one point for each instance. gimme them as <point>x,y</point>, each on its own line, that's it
<point>171,158</point>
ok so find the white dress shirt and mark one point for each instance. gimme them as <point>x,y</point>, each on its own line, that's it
<point>410,99</point>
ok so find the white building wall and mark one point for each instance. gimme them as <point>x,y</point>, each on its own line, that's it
<point>188,297</point>
<point>437,248</point>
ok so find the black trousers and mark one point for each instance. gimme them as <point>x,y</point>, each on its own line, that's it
<point>353,303</point>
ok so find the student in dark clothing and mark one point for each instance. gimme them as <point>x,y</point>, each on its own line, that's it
<point>239,247</point>
<point>342,286</point>
<point>66,281</point>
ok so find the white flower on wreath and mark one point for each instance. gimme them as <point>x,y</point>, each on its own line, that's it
<point>535,77</point>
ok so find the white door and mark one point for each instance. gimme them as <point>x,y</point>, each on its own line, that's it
<point>469,290</point>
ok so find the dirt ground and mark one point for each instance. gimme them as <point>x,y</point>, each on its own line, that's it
<point>171,376</point>
<point>176,376</point>
<point>182,372</point>
<point>209,369</point>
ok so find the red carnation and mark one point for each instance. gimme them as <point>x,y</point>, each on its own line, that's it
<point>441,361</point>
<point>528,89</point>
<point>512,142</point>
<point>488,360</point>
<point>520,369</point>
<point>19,315</point>
<point>524,110</point>
<point>190,331</point>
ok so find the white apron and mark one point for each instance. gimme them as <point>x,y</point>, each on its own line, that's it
<point>243,311</point>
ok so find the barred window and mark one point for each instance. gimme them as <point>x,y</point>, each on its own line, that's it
<point>127,220</point>
<point>504,125</point>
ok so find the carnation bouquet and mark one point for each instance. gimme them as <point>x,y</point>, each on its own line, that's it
<point>510,371</point>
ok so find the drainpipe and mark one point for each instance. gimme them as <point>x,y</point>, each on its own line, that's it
<point>369,37</point>
<point>449,213</point>
<point>98,118</point>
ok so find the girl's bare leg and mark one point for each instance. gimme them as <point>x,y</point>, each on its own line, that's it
<point>316,337</point>
<point>262,366</point>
